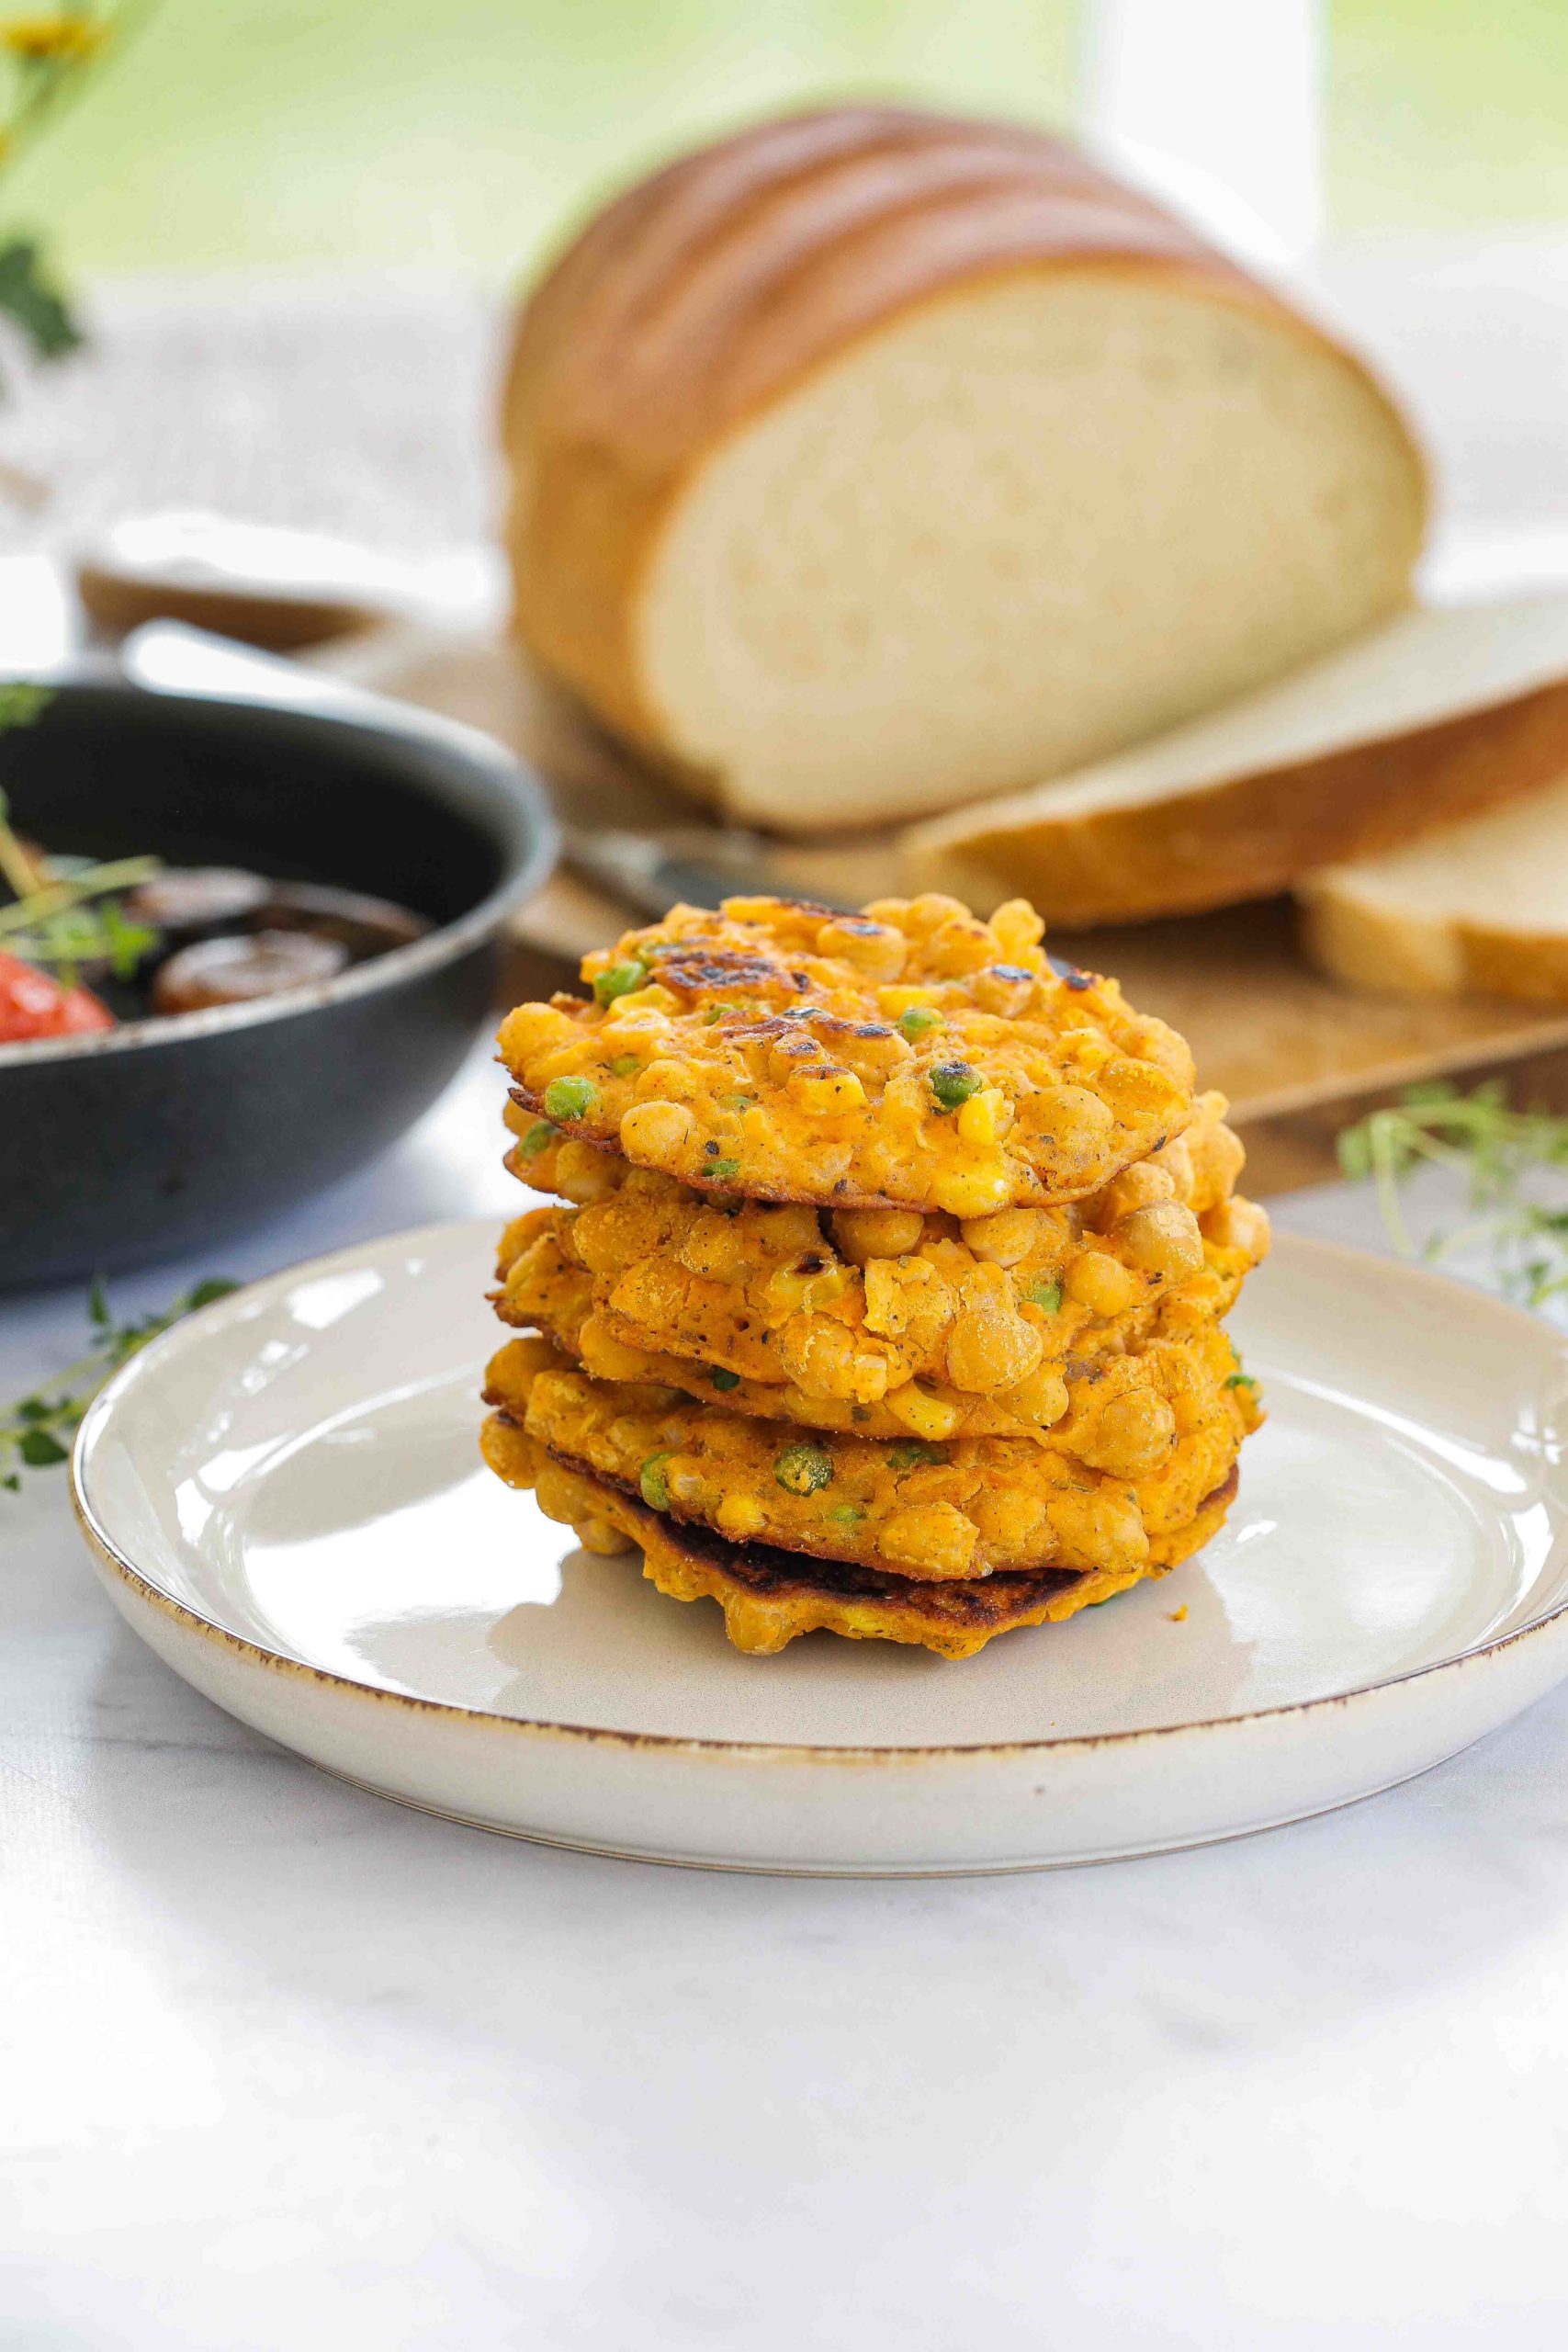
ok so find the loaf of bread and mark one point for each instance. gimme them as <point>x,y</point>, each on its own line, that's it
<point>1444,711</point>
<point>871,462</point>
<point>1479,907</point>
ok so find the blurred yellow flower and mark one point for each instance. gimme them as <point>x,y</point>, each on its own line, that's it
<point>45,39</point>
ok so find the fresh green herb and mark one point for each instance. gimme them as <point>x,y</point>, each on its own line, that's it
<point>725,1170</point>
<point>655,1486</point>
<point>953,1083</point>
<point>35,1430</point>
<point>910,1452</point>
<point>569,1098</point>
<point>1502,1157</point>
<point>625,1066</point>
<point>619,980</point>
<point>1046,1294</point>
<point>539,1138</point>
<point>52,920</point>
<point>723,1379</point>
<point>917,1019</point>
<point>1240,1380</point>
<point>803,1469</point>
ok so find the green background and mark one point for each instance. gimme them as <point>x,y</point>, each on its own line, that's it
<point>289,134</point>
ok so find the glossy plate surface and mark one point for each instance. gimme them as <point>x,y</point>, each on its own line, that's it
<point>285,1499</point>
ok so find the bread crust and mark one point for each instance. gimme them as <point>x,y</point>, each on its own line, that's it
<point>706,294</point>
<point>1371,943</point>
<point>1251,836</point>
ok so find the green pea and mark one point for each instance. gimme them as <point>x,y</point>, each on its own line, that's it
<point>625,1066</point>
<point>539,1138</point>
<point>951,1082</point>
<point>906,1456</point>
<point>569,1098</point>
<point>619,980</point>
<point>654,1485</point>
<point>847,1514</point>
<point>918,1020</point>
<point>724,1171</point>
<point>803,1469</point>
<point>725,1380</point>
<point>1046,1294</point>
<point>736,1102</point>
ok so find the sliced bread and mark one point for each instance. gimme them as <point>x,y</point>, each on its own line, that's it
<point>1479,907</point>
<point>1442,712</point>
<point>870,462</point>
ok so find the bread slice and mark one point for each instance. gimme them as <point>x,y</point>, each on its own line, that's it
<point>1441,713</point>
<point>872,462</point>
<point>1478,906</point>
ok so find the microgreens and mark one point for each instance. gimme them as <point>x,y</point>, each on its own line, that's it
<point>1496,1152</point>
<point>35,1430</point>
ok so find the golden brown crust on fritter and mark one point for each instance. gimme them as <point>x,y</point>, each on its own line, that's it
<point>911,1056</point>
<point>769,1595</point>
<point>879,1321</point>
<point>965,1509</point>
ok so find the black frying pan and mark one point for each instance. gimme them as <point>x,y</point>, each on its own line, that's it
<point>156,1138</point>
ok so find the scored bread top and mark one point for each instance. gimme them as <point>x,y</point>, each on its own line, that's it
<point>910,1056</point>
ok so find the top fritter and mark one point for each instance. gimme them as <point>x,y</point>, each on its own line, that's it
<point>909,1055</point>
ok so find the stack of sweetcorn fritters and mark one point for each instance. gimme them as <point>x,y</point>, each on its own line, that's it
<point>888,1294</point>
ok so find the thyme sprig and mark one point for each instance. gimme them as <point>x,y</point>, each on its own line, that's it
<point>1504,1158</point>
<point>35,1430</point>
<point>62,911</point>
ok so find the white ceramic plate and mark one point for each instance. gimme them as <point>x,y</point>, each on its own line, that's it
<point>285,1499</point>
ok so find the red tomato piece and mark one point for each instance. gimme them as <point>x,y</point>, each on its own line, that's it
<point>34,1005</point>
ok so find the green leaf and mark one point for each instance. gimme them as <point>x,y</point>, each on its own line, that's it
<point>99,1313</point>
<point>35,1409</point>
<point>20,703</point>
<point>217,1287</point>
<point>39,1450</point>
<point>30,298</point>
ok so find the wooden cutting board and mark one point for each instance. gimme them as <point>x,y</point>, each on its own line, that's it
<point>1298,1056</point>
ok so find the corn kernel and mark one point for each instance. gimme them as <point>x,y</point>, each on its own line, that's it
<point>656,999</point>
<point>983,1119</point>
<point>827,1090</point>
<point>655,1130</point>
<point>739,1516</point>
<point>965,1192</point>
<point>584,1174</point>
<point>1004,1237</point>
<point>1016,927</point>
<point>875,948</point>
<point>916,1408</point>
<point>796,1290</point>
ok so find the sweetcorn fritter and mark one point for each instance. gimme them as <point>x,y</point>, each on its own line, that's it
<point>964,1509</point>
<point>909,1057</point>
<point>770,1597</point>
<point>880,1320</point>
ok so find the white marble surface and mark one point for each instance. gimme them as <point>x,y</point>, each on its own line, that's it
<point>284,2065</point>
